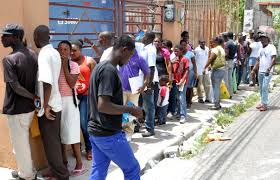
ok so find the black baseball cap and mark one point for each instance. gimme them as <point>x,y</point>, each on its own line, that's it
<point>263,34</point>
<point>14,29</point>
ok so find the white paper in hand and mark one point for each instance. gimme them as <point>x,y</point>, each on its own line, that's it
<point>136,83</point>
<point>173,57</point>
<point>181,88</point>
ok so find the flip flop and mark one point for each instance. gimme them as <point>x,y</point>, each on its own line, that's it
<point>89,156</point>
<point>78,172</point>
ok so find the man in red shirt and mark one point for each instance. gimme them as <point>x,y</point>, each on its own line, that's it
<point>180,70</point>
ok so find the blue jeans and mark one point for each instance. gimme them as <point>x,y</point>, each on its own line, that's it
<point>182,110</point>
<point>190,79</point>
<point>149,108</point>
<point>156,92</point>
<point>216,78</point>
<point>264,86</point>
<point>113,148</point>
<point>173,98</point>
<point>162,112</point>
<point>228,75</point>
<point>239,74</point>
<point>83,106</point>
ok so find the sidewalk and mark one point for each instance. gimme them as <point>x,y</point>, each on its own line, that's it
<point>147,149</point>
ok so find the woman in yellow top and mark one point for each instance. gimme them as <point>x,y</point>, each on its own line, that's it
<point>217,62</point>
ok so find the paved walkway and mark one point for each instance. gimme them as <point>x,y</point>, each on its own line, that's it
<point>252,154</point>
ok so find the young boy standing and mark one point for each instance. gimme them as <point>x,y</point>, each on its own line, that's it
<point>181,70</point>
<point>163,98</point>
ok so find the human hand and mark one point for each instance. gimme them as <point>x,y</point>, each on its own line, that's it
<point>37,101</point>
<point>204,71</point>
<point>136,111</point>
<point>141,90</point>
<point>195,76</point>
<point>49,115</point>
<point>87,40</point>
<point>253,72</point>
<point>169,84</point>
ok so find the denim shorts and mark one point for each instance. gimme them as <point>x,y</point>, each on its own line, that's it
<point>252,61</point>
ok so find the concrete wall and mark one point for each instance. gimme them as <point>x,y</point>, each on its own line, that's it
<point>172,30</point>
<point>29,14</point>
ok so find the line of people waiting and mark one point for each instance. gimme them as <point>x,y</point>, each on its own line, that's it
<point>167,73</point>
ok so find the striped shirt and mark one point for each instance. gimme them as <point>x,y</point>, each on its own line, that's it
<point>64,88</point>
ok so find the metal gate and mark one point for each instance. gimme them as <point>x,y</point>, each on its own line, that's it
<point>77,19</point>
<point>141,14</point>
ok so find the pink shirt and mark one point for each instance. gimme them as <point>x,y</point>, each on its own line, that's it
<point>64,88</point>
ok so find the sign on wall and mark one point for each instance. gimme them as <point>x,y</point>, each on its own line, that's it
<point>248,20</point>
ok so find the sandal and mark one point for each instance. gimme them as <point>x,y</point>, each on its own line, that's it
<point>89,155</point>
<point>78,172</point>
<point>259,106</point>
<point>263,108</point>
<point>48,174</point>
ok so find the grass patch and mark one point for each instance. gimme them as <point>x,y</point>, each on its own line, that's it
<point>223,118</point>
<point>198,145</point>
<point>277,80</point>
<point>277,68</point>
<point>227,115</point>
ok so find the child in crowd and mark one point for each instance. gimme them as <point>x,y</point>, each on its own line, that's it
<point>181,71</point>
<point>163,98</point>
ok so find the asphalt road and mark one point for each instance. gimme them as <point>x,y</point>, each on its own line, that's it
<point>252,154</point>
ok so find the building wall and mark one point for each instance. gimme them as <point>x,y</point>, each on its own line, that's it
<point>29,14</point>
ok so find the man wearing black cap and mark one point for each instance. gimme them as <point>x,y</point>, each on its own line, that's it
<point>20,71</point>
<point>265,63</point>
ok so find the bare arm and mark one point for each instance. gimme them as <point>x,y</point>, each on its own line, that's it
<point>70,78</point>
<point>47,93</point>
<point>213,56</point>
<point>185,76</point>
<point>93,46</point>
<point>256,67</point>
<point>151,78</point>
<point>194,66</point>
<point>91,63</point>
<point>273,62</point>
<point>161,100</point>
<point>18,89</point>
<point>169,69</point>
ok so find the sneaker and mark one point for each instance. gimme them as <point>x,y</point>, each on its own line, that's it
<point>259,106</point>
<point>183,120</point>
<point>207,101</point>
<point>16,176</point>
<point>170,115</point>
<point>215,107</point>
<point>201,101</point>
<point>148,134</point>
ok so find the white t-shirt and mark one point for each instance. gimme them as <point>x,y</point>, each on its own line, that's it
<point>265,56</point>
<point>49,66</point>
<point>163,93</point>
<point>201,58</point>
<point>255,46</point>
<point>149,53</point>
<point>107,54</point>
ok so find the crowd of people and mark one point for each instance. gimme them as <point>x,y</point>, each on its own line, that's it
<point>149,80</point>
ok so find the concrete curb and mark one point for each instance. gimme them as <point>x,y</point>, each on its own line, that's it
<point>189,133</point>
<point>179,140</point>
